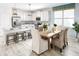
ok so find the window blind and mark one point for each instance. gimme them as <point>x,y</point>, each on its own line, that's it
<point>67,6</point>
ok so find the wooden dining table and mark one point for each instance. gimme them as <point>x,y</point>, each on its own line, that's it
<point>48,36</point>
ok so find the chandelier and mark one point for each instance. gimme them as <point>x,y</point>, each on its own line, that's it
<point>29,14</point>
<point>14,11</point>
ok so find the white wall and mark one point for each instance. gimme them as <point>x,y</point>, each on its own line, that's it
<point>5,17</point>
<point>5,21</point>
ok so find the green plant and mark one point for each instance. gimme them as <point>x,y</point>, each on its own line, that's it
<point>76,28</point>
<point>45,26</point>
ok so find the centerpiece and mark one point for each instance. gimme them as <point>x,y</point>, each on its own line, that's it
<point>45,27</point>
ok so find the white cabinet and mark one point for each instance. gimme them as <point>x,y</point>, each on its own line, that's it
<point>42,14</point>
<point>34,16</point>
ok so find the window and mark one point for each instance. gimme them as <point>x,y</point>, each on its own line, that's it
<point>69,13</point>
<point>68,17</point>
<point>58,14</point>
<point>58,21</point>
<point>58,17</point>
<point>64,17</point>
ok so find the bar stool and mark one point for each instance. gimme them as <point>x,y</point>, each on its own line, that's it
<point>10,38</point>
<point>29,34</point>
<point>25,35</point>
<point>20,36</point>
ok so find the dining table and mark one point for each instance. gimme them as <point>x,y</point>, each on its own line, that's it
<point>48,35</point>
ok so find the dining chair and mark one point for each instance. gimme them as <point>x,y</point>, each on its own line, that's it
<point>39,45</point>
<point>58,40</point>
<point>65,37</point>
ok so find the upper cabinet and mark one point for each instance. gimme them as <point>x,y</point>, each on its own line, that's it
<point>35,15</point>
<point>43,14</point>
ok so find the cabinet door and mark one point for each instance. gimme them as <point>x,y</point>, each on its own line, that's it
<point>44,15</point>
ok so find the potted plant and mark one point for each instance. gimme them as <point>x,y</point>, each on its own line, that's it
<point>76,28</point>
<point>45,26</point>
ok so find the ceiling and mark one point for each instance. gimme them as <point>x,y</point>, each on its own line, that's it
<point>33,6</point>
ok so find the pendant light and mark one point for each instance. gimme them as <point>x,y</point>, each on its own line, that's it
<point>14,10</point>
<point>29,14</point>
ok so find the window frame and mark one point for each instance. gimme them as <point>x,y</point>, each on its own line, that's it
<point>62,23</point>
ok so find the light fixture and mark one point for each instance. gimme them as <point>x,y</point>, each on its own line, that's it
<point>14,10</point>
<point>29,14</point>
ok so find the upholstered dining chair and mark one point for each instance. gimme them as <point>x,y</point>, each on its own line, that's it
<point>65,29</point>
<point>65,37</point>
<point>39,45</point>
<point>58,40</point>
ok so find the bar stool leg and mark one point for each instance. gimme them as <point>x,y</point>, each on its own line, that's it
<point>7,40</point>
<point>16,38</point>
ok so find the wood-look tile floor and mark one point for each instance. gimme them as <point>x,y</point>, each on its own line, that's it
<point>24,48</point>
